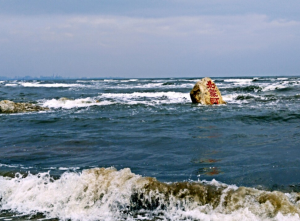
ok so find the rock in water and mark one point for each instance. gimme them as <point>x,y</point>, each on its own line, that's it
<point>206,91</point>
<point>7,106</point>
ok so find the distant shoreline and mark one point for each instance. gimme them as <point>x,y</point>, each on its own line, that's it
<point>3,78</point>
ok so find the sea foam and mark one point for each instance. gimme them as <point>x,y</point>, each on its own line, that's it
<point>146,98</point>
<point>108,194</point>
<point>38,84</point>
<point>70,103</point>
<point>239,81</point>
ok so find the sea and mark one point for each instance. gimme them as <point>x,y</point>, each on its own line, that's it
<point>139,149</point>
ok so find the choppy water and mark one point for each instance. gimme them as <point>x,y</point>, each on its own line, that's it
<point>96,153</point>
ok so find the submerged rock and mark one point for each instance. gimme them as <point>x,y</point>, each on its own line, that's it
<point>7,106</point>
<point>206,91</point>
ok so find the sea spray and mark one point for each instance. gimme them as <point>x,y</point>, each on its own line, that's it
<point>91,195</point>
<point>108,194</point>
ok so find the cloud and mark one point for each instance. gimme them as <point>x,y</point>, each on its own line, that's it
<point>115,29</point>
<point>126,40</point>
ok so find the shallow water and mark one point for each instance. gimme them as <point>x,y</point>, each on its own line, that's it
<point>248,146</point>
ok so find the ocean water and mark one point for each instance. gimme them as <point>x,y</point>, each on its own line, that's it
<point>138,149</point>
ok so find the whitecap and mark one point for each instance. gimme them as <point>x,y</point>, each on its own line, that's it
<point>146,98</point>
<point>11,85</point>
<point>273,87</point>
<point>150,85</point>
<point>239,81</point>
<point>50,168</point>
<point>110,80</point>
<point>152,97</point>
<point>7,165</point>
<point>38,84</point>
<point>69,168</point>
<point>69,103</point>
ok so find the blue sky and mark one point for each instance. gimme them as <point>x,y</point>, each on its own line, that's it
<point>149,38</point>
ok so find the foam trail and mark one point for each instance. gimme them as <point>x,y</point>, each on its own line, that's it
<point>108,194</point>
<point>69,103</point>
<point>6,165</point>
<point>273,87</point>
<point>239,81</point>
<point>152,97</point>
<point>38,84</point>
<point>11,85</point>
<point>146,98</point>
<point>149,85</point>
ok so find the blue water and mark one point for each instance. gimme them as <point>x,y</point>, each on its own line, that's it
<point>151,127</point>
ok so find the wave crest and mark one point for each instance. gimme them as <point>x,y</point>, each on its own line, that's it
<point>108,194</point>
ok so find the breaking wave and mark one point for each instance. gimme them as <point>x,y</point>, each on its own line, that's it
<point>67,103</point>
<point>161,85</point>
<point>39,84</point>
<point>239,81</point>
<point>146,98</point>
<point>108,194</point>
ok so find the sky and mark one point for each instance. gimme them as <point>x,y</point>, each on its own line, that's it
<point>149,38</point>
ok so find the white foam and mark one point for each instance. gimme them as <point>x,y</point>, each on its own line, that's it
<point>110,80</point>
<point>38,84</point>
<point>129,80</point>
<point>104,193</point>
<point>152,97</point>
<point>6,165</point>
<point>147,98</point>
<point>89,81</point>
<point>239,81</point>
<point>69,104</point>
<point>15,166</point>
<point>216,183</point>
<point>69,168</point>
<point>273,87</point>
<point>282,79</point>
<point>11,85</point>
<point>51,168</point>
<point>85,196</point>
<point>123,85</point>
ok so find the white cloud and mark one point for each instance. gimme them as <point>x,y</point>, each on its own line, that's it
<point>221,34</point>
<point>119,37</point>
<point>227,32</point>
